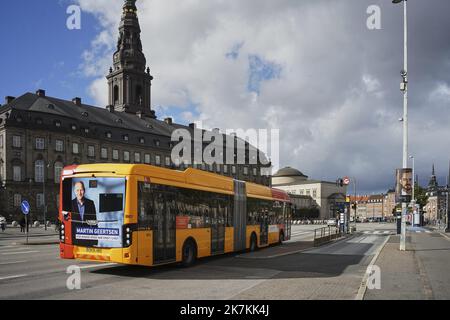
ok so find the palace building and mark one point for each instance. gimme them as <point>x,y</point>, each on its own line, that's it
<point>40,135</point>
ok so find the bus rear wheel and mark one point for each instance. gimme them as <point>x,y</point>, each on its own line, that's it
<point>253,243</point>
<point>189,253</point>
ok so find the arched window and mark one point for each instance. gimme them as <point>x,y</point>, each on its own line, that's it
<point>39,171</point>
<point>58,170</point>
<point>138,94</point>
<point>116,94</point>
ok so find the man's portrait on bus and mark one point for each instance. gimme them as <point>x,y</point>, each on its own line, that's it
<point>83,209</point>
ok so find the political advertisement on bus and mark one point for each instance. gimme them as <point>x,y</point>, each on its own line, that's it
<point>96,206</point>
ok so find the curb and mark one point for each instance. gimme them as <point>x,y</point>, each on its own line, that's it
<point>363,286</point>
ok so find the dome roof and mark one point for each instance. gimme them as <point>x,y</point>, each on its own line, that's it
<point>289,172</point>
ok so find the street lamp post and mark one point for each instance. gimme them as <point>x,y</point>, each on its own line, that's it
<point>404,89</point>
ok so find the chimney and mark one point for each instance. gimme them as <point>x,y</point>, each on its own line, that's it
<point>110,108</point>
<point>9,99</point>
<point>168,121</point>
<point>40,93</point>
<point>77,101</point>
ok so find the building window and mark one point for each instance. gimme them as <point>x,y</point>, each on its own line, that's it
<point>17,200</point>
<point>302,192</point>
<point>137,157</point>
<point>158,160</point>
<point>225,168</point>
<point>91,151</point>
<point>58,124</point>
<point>40,143</point>
<point>157,143</point>
<point>147,158</point>
<point>39,171</point>
<point>16,142</point>
<point>218,168</point>
<point>40,200</point>
<point>17,173</point>
<point>115,154</point>
<point>308,192</point>
<point>74,127</point>
<point>168,162</point>
<point>314,193</point>
<point>141,140</point>
<point>59,147</point>
<point>246,171</point>
<point>1,141</point>
<point>126,156</point>
<point>108,135</point>
<point>58,170</point>
<point>233,169</point>
<point>126,137</point>
<point>104,153</point>
<point>75,148</point>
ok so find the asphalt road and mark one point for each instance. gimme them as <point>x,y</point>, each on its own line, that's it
<point>330,272</point>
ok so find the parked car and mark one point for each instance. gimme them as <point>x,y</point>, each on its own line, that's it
<point>331,222</point>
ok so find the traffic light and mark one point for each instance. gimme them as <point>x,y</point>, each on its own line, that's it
<point>340,182</point>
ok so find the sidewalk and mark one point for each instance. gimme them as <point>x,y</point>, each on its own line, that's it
<point>419,273</point>
<point>12,232</point>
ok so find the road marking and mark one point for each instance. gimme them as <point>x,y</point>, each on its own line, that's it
<point>20,252</point>
<point>15,249</point>
<point>376,232</point>
<point>363,287</point>
<point>14,277</point>
<point>13,262</point>
<point>99,265</point>
<point>385,232</point>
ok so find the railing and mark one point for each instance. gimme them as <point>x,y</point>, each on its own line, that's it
<point>325,234</point>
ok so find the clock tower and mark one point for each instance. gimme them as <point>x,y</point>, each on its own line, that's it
<point>129,79</point>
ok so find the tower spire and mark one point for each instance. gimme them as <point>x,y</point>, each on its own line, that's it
<point>128,80</point>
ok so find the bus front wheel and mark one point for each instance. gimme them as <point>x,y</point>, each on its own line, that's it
<point>189,253</point>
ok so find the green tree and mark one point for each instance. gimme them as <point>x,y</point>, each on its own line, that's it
<point>420,195</point>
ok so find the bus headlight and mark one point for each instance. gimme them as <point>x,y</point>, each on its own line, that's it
<point>128,242</point>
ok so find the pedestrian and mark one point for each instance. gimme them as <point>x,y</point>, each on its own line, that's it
<point>22,224</point>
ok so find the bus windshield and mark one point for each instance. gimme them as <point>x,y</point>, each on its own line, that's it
<point>95,208</point>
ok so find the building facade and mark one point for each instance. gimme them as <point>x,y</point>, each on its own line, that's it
<point>40,135</point>
<point>435,210</point>
<point>328,197</point>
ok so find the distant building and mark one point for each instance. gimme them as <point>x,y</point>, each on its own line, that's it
<point>374,207</point>
<point>435,209</point>
<point>326,196</point>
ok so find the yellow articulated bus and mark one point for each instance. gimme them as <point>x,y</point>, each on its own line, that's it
<point>145,215</point>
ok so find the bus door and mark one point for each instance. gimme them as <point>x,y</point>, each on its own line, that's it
<point>264,226</point>
<point>164,231</point>
<point>217,227</point>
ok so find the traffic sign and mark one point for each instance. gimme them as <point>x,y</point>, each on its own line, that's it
<point>346,181</point>
<point>25,207</point>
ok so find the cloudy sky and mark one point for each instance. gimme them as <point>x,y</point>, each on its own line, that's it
<point>310,68</point>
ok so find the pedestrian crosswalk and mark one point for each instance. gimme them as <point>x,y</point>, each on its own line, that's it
<point>391,232</point>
